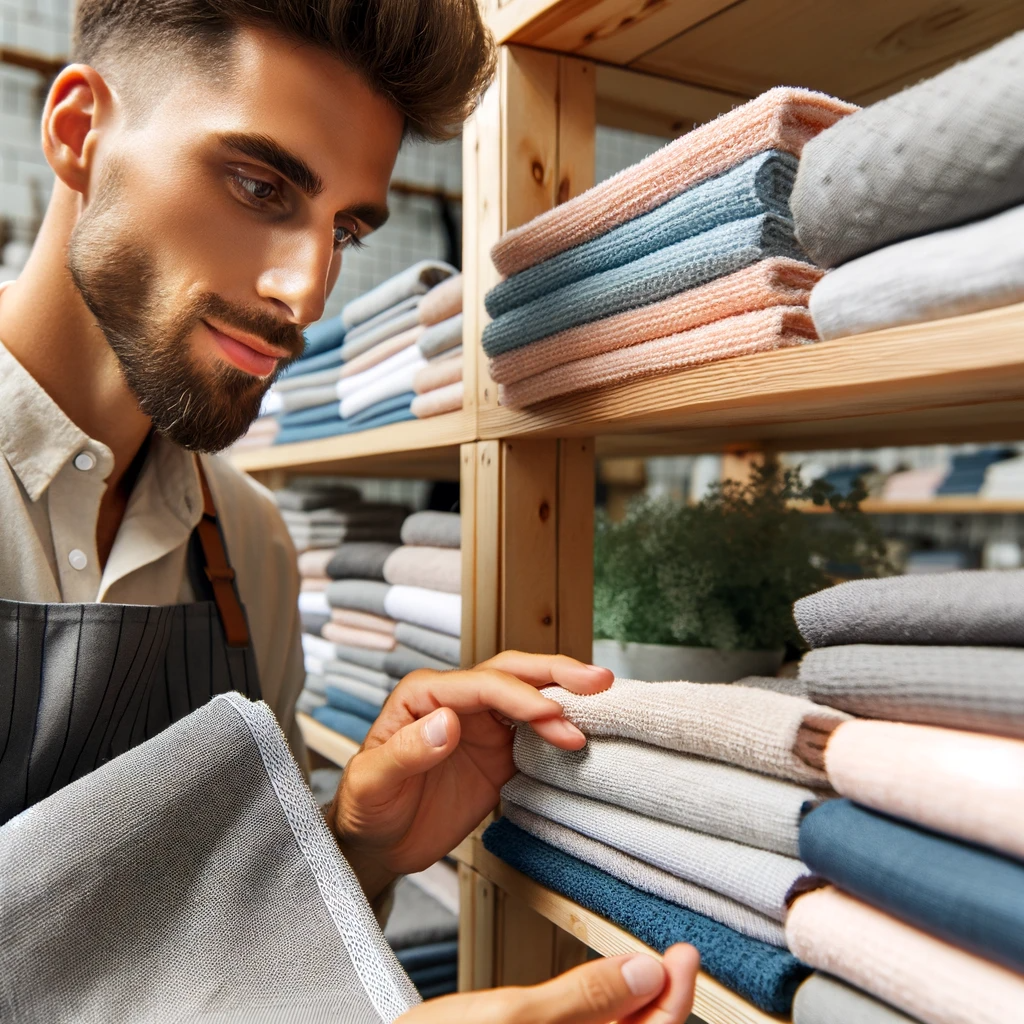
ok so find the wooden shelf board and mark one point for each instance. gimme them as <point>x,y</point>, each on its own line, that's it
<point>326,742</point>
<point>930,506</point>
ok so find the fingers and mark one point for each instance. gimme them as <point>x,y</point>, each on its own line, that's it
<point>544,669</point>
<point>675,1003</point>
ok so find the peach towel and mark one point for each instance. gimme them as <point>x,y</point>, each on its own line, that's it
<point>313,584</point>
<point>313,563</point>
<point>381,351</point>
<point>782,118</point>
<point>437,374</point>
<point>760,331</point>
<point>368,639</point>
<point>921,975</point>
<point>914,484</point>
<point>777,281</point>
<point>442,301</point>
<point>965,784</point>
<point>441,400</point>
<point>363,620</point>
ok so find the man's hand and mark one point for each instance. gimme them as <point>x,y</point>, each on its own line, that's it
<point>628,989</point>
<point>436,758</point>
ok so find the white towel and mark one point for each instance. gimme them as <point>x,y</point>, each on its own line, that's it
<point>430,608</point>
<point>314,602</point>
<point>350,385</point>
<point>395,383</point>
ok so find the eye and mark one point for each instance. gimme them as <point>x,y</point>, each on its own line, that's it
<point>259,190</point>
<point>345,237</point>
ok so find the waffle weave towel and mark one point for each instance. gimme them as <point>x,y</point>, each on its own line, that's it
<point>433,568</point>
<point>415,280</point>
<point>824,1000</point>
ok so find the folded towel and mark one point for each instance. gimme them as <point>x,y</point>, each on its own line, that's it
<point>940,153</point>
<point>313,584</point>
<point>418,919</point>
<point>914,484</point>
<point>929,979</point>
<point>403,660</point>
<point>357,637</point>
<point>313,564</point>
<point>313,363</point>
<point>436,976</point>
<point>359,560</point>
<point>442,337</point>
<point>442,301</point>
<point>312,622</point>
<point>399,382</point>
<point>429,641</point>
<point>954,609</point>
<point>766,732</point>
<point>342,700</point>
<point>415,280</point>
<point>306,397</point>
<point>364,656</point>
<point>439,401</point>
<point>950,273</point>
<point>970,897</point>
<point>978,688</point>
<point>707,796</point>
<point>967,474</point>
<point>368,515</point>
<point>352,670</point>
<point>385,316</point>
<point>647,878</point>
<point>385,413</point>
<point>428,954</point>
<point>1004,480</point>
<point>759,879</point>
<point>759,184</point>
<point>344,722</point>
<point>363,620</point>
<point>368,694</point>
<point>420,566</point>
<point>438,374</point>
<point>308,700</point>
<point>824,1000</point>
<point>433,609</point>
<point>355,347</point>
<point>745,334</point>
<point>381,351</point>
<point>327,494</point>
<point>773,282</point>
<point>322,337</point>
<point>783,119</point>
<point>764,974</point>
<point>433,529</point>
<point>326,413</point>
<point>314,602</point>
<point>676,268</point>
<point>359,595</point>
<point>385,368</point>
<point>318,378</point>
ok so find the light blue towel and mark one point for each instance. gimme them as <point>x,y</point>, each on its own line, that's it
<point>314,414</point>
<point>323,336</point>
<point>761,184</point>
<point>343,722</point>
<point>676,268</point>
<point>313,364</point>
<point>332,428</point>
<point>342,701</point>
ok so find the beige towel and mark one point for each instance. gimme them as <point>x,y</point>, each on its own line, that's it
<point>313,584</point>
<point>381,351</point>
<point>432,568</point>
<point>363,620</point>
<point>438,374</point>
<point>442,301</point>
<point>439,401</point>
<point>367,638</point>
<point>929,979</point>
<point>313,563</point>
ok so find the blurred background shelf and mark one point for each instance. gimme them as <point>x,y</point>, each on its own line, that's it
<point>326,742</point>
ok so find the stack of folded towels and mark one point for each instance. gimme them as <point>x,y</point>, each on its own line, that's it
<point>925,855</point>
<point>917,200</point>
<point>438,384</point>
<point>969,472</point>
<point>684,258</point>
<point>1004,480</point>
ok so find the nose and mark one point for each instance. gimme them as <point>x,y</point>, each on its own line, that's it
<point>299,275</point>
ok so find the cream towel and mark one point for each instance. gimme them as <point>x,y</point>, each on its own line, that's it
<point>363,620</point>
<point>380,352</point>
<point>313,564</point>
<point>313,584</point>
<point>369,638</point>
<point>927,978</point>
<point>432,568</point>
<point>439,401</point>
<point>437,374</point>
<point>442,301</point>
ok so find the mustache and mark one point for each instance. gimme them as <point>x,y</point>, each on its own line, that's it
<point>253,321</point>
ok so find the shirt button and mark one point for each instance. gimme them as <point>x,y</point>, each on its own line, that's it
<point>77,559</point>
<point>85,461</point>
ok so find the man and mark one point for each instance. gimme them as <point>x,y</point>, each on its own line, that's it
<point>213,159</point>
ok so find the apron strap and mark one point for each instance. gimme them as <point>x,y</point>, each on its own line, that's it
<point>218,570</point>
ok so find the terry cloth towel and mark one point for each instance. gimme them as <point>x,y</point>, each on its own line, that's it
<point>429,641</point>
<point>439,401</point>
<point>824,1000</point>
<point>363,620</point>
<point>676,268</point>
<point>325,494</point>
<point>359,595</point>
<point>363,560</point>
<point>191,878</point>
<point>440,338</point>
<point>311,364</point>
<point>961,783</point>
<point>764,974</point>
<point>914,484</point>
<point>978,688</point>
<point>418,919</point>
<point>386,316</point>
<point>380,352</point>
<point>773,282</point>
<point>433,609</point>
<point>314,602</point>
<point>438,374</point>
<point>760,184</point>
<point>943,152</point>
<point>398,382</point>
<point>357,637</point>
<point>313,564</point>
<point>647,878</point>
<point>442,301</point>
<point>403,660</point>
<point>433,568</point>
<point>342,700</point>
<point>343,722</point>
<point>781,119</point>
<point>415,280</point>
<point>972,898</point>
<point>956,608</point>
<point>759,879</point>
<point>385,413</point>
<point>929,979</point>
<point>428,954</point>
<point>766,732</point>
<point>365,692</point>
<point>355,347</point>
<point>951,273</point>
<point>433,529</point>
<point>706,796</point>
<point>322,337</point>
<point>745,334</point>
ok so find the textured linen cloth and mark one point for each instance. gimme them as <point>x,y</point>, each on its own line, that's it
<point>760,184</point>
<point>647,878</point>
<point>442,301</point>
<point>415,280</point>
<point>403,660</point>
<point>438,374</point>
<point>824,1000</point>
<point>956,608</point>
<point>381,351</point>
<point>342,700</point>
<point>359,381</point>
<point>353,637</point>
<point>761,973</point>
<point>433,529</point>
<point>359,595</point>
<point>766,732</point>
<point>759,879</point>
<point>927,978</point>
<point>363,620</point>
<point>972,898</point>
<point>356,425</point>
<point>940,153</point>
<point>429,641</point>
<point>420,566</point>
<point>433,609</point>
<point>360,560</point>
<point>676,268</point>
<point>439,401</point>
<point>706,796</point>
<point>355,347</point>
<point>782,119</point>
<point>950,273</point>
<point>366,693</point>
<point>978,688</point>
<point>417,919</point>
<point>777,281</point>
<point>399,382</point>
<point>191,878</point>
<point>745,334</point>
<point>440,338</point>
<point>345,723</point>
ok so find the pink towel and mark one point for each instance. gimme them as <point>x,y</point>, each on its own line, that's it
<point>313,584</point>
<point>442,301</point>
<point>313,563</point>
<point>760,331</point>
<point>438,374</point>
<point>368,638</point>
<point>932,981</point>
<point>965,784</point>
<point>781,118</point>
<point>363,620</point>
<point>914,484</point>
<point>431,568</point>
<point>381,351</point>
<point>777,281</point>
<point>441,400</point>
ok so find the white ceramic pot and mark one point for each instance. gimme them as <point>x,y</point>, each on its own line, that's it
<point>657,663</point>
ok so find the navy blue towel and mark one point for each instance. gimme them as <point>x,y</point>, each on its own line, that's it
<point>764,974</point>
<point>441,988</point>
<point>353,705</point>
<point>435,974</point>
<point>968,896</point>
<point>344,722</point>
<point>413,958</point>
<point>967,473</point>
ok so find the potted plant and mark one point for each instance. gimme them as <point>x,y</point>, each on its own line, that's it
<point>705,592</point>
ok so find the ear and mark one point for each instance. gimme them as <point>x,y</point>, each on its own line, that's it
<point>78,107</point>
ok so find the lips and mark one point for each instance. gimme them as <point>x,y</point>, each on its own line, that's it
<point>253,356</point>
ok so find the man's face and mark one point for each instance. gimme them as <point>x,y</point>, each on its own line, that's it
<point>214,227</point>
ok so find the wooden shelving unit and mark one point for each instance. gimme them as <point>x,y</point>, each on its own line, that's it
<point>955,506</point>
<point>326,742</point>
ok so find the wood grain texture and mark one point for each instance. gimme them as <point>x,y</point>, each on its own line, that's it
<point>487,583</point>
<point>468,523</point>
<point>577,124</point>
<point>575,615</point>
<point>938,506</point>
<point>326,742</point>
<point>477,897</point>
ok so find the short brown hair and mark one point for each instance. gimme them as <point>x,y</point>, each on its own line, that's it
<point>430,58</point>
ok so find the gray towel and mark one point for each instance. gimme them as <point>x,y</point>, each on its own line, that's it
<point>417,919</point>
<point>822,999</point>
<point>706,796</point>
<point>306,397</point>
<point>429,641</point>
<point>341,667</point>
<point>307,499</point>
<point>978,688</point>
<point>415,280</point>
<point>368,515</point>
<point>363,560</point>
<point>791,685</point>
<point>319,378</point>
<point>403,660</point>
<point>309,700</point>
<point>358,595</point>
<point>441,337</point>
<point>954,609</point>
<point>313,622</point>
<point>433,529</point>
<point>373,660</point>
<point>940,153</point>
<point>397,310</point>
<point>356,346</point>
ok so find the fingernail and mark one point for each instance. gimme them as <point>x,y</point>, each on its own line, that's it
<point>644,975</point>
<point>572,730</point>
<point>435,730</point>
